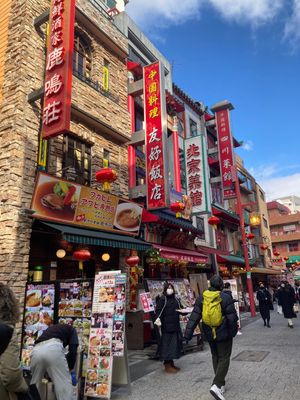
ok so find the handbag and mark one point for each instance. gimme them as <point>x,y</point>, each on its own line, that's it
<point>157,322</point>
<point>296,308</point>
<point>279,309</point>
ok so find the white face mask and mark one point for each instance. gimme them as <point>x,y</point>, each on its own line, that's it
<point>170,291</point>
<point>282,285</point>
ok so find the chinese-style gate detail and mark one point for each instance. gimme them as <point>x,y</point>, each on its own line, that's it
<point>226,153</point>
<point>154,114</point>
<point>59,61</point>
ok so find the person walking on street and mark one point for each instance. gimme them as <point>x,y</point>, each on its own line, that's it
<point>220,325</point>
<point>287,299</point>
<point>227,289</point>
<point>48,356</point>
<point>170,347</point>
<point>264,298</point>
<point>12,383</point>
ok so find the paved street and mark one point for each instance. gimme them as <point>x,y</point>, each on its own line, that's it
<point>275,377</point>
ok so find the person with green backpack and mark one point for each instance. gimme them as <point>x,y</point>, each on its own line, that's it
<point>220,325</point>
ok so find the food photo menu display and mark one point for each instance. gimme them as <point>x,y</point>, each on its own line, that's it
<point>107,332</point>
<point>39,315</point>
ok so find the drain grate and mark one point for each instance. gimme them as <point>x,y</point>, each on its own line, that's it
<point>251,356</point>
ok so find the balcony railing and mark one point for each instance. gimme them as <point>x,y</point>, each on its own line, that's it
<point>102,8</point>
<point>96,85</point>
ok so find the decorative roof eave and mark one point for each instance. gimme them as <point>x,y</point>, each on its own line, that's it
<point>195,105</point>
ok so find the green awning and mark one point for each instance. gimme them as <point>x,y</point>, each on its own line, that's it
<point>293,259</point>
<point>98,238</point>
<point>221,258</point>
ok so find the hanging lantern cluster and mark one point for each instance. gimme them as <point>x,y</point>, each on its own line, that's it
<point>276,253</point>
<point>250,236</point>
<point>81,255</point>
<point>106,176</point>
<point>214,221</point>
<point>133,261</point>
<point>177,208</point>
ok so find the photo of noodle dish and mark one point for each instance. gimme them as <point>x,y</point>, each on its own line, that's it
<point>128,217</point>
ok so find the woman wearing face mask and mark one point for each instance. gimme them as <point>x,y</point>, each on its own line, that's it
<point>264,298</point>
<point>287,299</point>
<point>171,340</point>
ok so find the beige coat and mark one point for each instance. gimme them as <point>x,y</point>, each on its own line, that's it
<point>11,376</point>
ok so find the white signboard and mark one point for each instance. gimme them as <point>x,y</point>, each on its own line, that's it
<point>195,173</point>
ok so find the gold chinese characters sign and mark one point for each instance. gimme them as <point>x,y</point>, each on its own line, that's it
<point>61,201</point>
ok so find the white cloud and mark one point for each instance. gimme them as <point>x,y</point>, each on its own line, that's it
<point>158,12</point>
<point>277,187</point>
<point>253,11</point>
<point>264,172</point>
<point>292,26</point>
<point>247,145</point>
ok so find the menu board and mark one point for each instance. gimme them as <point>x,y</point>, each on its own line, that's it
<point>39,315</point>
<point>183,292</point>
<point>75,309</point>
<point>58,200</point>
<point>107,332</point>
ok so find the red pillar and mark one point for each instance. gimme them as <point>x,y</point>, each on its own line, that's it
<point>131,149</point>
<point>244,242</point>
<point>176,158</point>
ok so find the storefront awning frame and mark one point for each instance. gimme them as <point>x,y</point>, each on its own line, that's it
<point>98,238</point>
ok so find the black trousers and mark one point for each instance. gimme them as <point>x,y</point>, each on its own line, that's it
<point>221,352</point>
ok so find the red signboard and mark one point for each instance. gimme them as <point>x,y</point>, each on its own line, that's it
<point>226,153</point>
<point>154,118</point>
<point>59,63</point>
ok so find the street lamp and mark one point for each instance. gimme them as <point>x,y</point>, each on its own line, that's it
<point>255,219</point>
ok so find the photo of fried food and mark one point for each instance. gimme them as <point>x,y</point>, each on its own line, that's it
<point>33,299</point>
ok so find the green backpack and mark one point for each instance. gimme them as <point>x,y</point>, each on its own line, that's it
<point>212,310</point>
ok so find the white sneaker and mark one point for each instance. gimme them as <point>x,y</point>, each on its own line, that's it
<point>223,390</point>
<point>216,393</point>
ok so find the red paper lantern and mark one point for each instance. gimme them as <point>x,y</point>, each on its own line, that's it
<point>214,221</point>
<point>264,247</point>
<point>286,258</point>
<point>81,255</point>
<point>177,208</point>
<point>250,236</point>
<point>132,260</point>
<point>106,176</point>
<point>276,253</point>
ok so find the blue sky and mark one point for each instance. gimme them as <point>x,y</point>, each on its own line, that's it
<point>246,51</point>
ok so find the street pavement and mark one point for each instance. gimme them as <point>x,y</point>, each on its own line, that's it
<point>271,372</point>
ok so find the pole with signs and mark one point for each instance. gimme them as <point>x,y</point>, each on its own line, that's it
<point>59,64</point>
<point>156,136</point>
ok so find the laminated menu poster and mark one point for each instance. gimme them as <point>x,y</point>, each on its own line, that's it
<point>107,332</point>
<point>75,309</point>
<point>39,315</point>
<point>183,292</point>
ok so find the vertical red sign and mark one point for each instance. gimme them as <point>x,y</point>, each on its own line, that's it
<point>226,153</point>
<point>59,64</point>
<point>154,119</point>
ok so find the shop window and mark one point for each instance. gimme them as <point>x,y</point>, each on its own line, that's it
<point>82,60</point>
<point>293,246</point>
<point>193,128</point>
<point>139,119</point>
<point>105,76</point>
<point>77,156</point>
<point>106,157</point>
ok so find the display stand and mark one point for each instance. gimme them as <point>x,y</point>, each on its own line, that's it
<point>121,372</point>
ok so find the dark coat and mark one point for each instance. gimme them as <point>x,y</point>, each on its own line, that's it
<point>287,299</point>
<point>265,302</point>
<point>6,333</point>
<point>166,309</point>
<point>229,327</point>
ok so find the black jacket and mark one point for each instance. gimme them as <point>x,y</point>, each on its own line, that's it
<point>6,333</point>
<point>263,296</point>
<point>166,309</point>
<point>229,327</point>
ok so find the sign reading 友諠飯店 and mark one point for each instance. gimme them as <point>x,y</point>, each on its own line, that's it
<point>155,118</point>
<point>195,173</point>
<point>59,62</point>
<point>226,153</point>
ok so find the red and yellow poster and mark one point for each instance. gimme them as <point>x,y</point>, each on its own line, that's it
<point>55,199</point>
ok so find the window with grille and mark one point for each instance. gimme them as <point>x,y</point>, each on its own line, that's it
<point>77,156</point>
<point>293,246</point>
<point>82,60</point>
